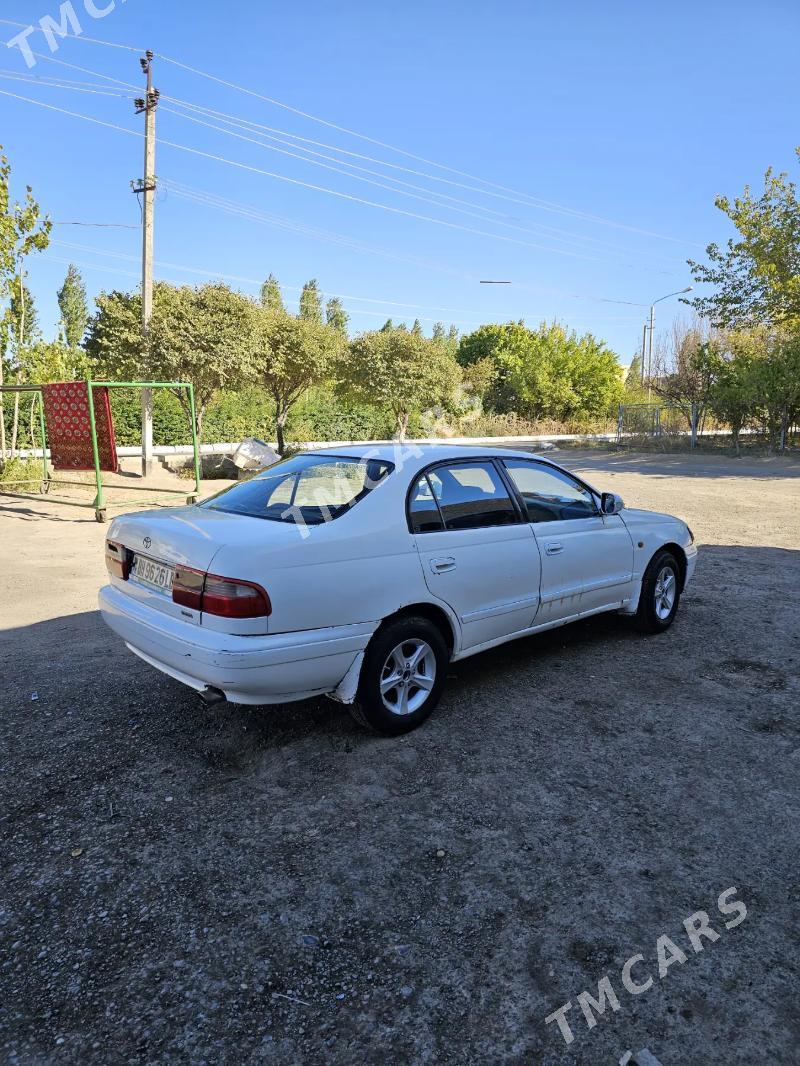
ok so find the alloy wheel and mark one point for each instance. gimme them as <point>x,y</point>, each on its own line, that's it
<point>407,677</point>
<point>665,592</point>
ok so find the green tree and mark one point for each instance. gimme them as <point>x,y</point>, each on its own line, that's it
<point>545,373</point>
<point>271,297</point>
<point>387,326</point>
<point>416,329</point>
<point>311,302</point>
<point>49,361</point>
<point>687,369</point>
<point>203,335</point>
<point>775,375</point>
<point>73,307</point>
<point>452,340</point>
<point>23,318</point>
<point>497,344</point>
<point>757,276</point>
<point>634,390</point>
<point>563,376</point>
<point>22,233</point>
<point>733,397</point>
<point>336,316</point>
<point>292,354</point>
<point>401,371</point>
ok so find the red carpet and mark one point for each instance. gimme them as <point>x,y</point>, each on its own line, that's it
<point>69,434</point>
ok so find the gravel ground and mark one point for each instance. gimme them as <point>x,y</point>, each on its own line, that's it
<point>230,885</point>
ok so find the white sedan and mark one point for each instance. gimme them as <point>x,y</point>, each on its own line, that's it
<point>360,572</point>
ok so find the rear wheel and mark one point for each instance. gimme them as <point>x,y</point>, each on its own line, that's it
<point>661,594</point>
<point>402,676</point>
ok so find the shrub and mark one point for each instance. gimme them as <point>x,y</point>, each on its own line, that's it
<point>16,474</point>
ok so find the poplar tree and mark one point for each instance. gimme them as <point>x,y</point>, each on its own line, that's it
<point>336,316</point>
<point>271,298</point>
<point>311,302</point>
<point>73,307</point>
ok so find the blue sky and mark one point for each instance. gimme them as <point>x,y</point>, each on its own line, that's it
<point>636,115</point>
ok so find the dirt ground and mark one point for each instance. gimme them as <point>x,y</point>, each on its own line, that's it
<point>232,885</point>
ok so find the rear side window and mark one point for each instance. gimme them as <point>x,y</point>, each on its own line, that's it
<point>423,510</point>
<point>468,495</point>
<point>550,495</point>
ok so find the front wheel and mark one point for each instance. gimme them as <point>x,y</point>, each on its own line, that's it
<point>660,595</point>
<point>402,676</point>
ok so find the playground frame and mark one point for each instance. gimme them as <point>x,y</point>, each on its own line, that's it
<point>99,501</point>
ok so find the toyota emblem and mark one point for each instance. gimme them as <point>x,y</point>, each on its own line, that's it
<point>147,542</point>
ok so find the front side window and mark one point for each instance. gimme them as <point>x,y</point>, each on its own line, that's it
<point>466,496</point>
<point>550,495</point>
<point>304,489</point>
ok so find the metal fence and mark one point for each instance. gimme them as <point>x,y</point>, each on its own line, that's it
<point>687,426</point>
<point>652,421</point>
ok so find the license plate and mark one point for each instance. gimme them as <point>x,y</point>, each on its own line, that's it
<point>155,575</point>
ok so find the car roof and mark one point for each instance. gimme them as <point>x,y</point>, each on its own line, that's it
<point>408,453</point>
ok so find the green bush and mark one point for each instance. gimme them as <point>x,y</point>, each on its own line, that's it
<point>16,474</point>
<point>320,415</point>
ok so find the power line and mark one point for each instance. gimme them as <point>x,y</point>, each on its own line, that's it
<point>244,123</point>
<point>389,188</point>
<point>254,281</point>
<point>272,132</point>
<point>552,232</point>
<point>536,202</point>
<point>109,125</point>
<point>54,83</point>
<point>255,214</point>
<point>408,307</point>
<point>547,232</point>
<point>77,36</point>
<point>97,225</point>
<point>72,114</point>
<point>302,184</point>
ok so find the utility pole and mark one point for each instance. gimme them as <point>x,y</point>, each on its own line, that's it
<point>146,188</point>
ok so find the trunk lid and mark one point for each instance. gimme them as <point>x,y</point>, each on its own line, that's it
<point>190,537</point>
<point>194,537</point>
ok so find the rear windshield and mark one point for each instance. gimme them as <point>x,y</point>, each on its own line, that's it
<point>304,489</point>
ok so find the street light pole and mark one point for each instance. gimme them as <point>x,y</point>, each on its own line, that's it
<point>652,327</point>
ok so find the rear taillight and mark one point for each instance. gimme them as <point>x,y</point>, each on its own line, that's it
<point>118,560</point>
<point>226,597</point>
<point>234,599</point>
<point>187,588</point>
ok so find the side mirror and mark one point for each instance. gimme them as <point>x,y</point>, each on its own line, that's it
<point>610,503</point>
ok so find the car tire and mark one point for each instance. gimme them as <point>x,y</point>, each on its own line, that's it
<point>402,677</point>
<point>660,595</point>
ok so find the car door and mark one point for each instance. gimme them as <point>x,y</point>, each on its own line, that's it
<point>587,557</point>
<point>477,552</point>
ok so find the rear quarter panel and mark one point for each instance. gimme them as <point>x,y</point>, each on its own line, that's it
<point>361,567</point>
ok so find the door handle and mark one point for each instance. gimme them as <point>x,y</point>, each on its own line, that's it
<point>441,566</point>
<point>553,547</point>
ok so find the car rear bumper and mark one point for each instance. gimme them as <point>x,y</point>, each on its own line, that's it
<point>275,668</point>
